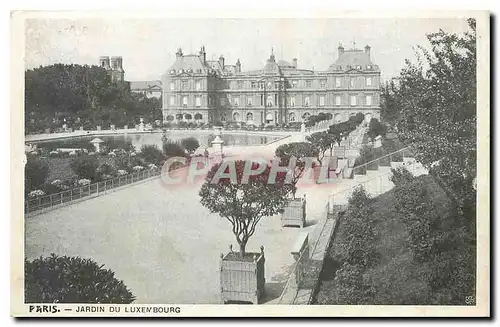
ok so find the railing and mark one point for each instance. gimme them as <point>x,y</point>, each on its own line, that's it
<point>55,199</point>
<point>384,161</point>
<point>300,276</point>
<point>374,189</point>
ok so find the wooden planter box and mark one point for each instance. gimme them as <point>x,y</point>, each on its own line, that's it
<point>294,213</point>
<point>242,279</point>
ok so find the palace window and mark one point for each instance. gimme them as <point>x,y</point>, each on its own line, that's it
<point>351,81</point>
<point>184,84</point>
<point>172,100</point>
<point>338,100</point>
<point>353,100</point>
<point>308,84</point>
<point>292,101</point>
<point>294,84</point>
<point>368,100</point>
<point>198,85</point>
<point>368,81</point>
<point>249,116</point>
<point>338,82</point>
<point>172,86</point>
<point>236,101</point>
<point>322,83</point>
<point>198,101</point>
<point>321,100</point>
<point>249,101</point>
<point>291,117</point>
<point>253,85</point>
<point>223,117</point>
<point>184,101</point>
<point>239,85</point>
<point>306,101</point>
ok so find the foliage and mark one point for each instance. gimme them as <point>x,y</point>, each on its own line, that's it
<point>86,166</point>
<point>323,141</point>
<point>434,102</point>
<point>152,154</point>
<point>65,279</point>
<point>190,144</point>
<point>82,96</point>
<point>173,149</point>
<point>243,204</point>
<point>408,246</point>
<point>300,151</point>
<point>36,172</point>
<point>376,128</point>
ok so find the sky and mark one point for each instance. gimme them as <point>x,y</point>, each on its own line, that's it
<point>148,46</point>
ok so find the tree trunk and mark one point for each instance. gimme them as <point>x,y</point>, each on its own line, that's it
<point>242,249</point>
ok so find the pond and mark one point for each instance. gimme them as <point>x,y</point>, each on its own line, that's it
<point>138,140</point>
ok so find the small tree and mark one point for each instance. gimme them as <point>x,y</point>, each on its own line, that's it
<point>65,279</point>
<point>300,151</point>
<point>35,173</point>
<point>173,149</point>
<point>190,144</point>
<point>85,166</point>
<point>376,128</point>
<point>243,204</point>
<point>323,141</point>
<point>152,154</point>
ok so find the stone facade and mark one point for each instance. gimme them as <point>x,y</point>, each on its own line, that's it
<point>114,67</point>
<point>199,90</point>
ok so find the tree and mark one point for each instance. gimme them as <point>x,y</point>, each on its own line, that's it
<point>85,166</point>
<point>243,204</point>
<point>301,152</point>
<point>323,141</point>
<point>152,154</point>
<point>35,173</point>
<point>190,144</point>
<point>65,279</point>
<point>376,128</point>
<point>173,149</point>
<point>436,97</point>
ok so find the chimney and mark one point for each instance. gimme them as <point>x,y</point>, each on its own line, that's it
<point>341,50</point>
<point>238,66</point>
<point>294,62</point>
<point>203,54</point>
<point>367,49</point>
<point>221,61</point>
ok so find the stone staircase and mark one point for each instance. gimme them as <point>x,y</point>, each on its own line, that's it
<point>374,177</point>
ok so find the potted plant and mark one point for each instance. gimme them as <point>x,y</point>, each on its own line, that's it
<point>294,213</point>
<point>243,200</point>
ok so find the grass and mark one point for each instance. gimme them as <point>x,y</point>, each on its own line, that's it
<point>396,258</point>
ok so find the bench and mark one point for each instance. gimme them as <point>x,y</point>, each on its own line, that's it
<point>300,246</point>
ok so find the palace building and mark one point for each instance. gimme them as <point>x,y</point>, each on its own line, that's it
<point>199,90</point>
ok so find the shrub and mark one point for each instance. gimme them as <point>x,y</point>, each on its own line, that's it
<point>65,279</point>
<point>151,154</point>
<point>85,167</point>
<point>172,149</point>
<point>35,173</point>
<point>190,144</point>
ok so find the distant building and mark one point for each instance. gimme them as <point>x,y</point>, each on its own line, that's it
<point>197,89</point>
<point>149,88</point>
<point>114,67</point>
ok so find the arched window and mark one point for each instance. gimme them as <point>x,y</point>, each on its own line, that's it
<point>249,116</point>
<point>236,116</point>
<point>223,117</point>
<point>306,116</point>
<point>291,117</point>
